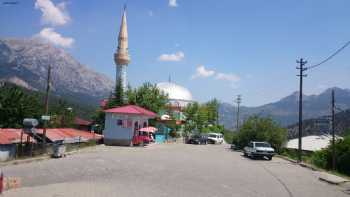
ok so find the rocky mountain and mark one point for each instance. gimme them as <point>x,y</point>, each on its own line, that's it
<point>322,125</point>
<point>25,63</point>
<point>285,111</point>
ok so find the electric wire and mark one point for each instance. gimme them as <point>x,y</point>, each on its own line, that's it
<point>330,57</point>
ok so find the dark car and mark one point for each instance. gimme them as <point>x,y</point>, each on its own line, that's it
<point>198,139</point>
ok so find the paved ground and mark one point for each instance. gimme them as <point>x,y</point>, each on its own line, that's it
<point>167,170</point>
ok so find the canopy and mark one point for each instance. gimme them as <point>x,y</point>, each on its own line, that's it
<point>149,129</point>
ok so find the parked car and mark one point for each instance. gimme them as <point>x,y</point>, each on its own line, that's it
<point>259,149</point>
<point>215,138</point>
<point>198,139</point>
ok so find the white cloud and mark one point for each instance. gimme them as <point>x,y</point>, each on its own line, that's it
<point>172,3</point>
<point>52,14</point>
<point>227,77</point>
<point>202,72</point>
<point>49,34</point>
<point>175,57</point>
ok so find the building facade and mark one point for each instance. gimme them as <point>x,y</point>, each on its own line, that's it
<point>122,124</point>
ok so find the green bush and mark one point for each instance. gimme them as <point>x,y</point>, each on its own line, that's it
<point>320,159</point>
<point>343,155</point>
<point>262,129</point>
<point>230,137</point>
<point>323,158</point>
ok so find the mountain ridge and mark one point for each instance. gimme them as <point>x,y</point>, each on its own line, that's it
<point>25,62</point>
<point>285,110</point>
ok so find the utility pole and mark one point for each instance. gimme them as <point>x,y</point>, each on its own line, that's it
<point>46,105</point>
<point>238,101</point>
<point>333,132</point>
<point>301,69</point>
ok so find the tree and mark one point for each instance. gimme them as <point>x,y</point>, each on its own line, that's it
<point>148,96</point>
<point>212,107</point>
<point>118,98</point>
<point>15,105</point>
<point>99,119</point>
<point>202,117</point>
<point>62,115</point>
<point>262,129</point>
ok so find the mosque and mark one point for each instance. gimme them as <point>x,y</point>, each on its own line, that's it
<point>179,96</point>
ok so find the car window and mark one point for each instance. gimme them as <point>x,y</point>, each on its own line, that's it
<point>262,144</point>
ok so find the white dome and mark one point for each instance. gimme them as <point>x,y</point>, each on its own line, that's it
<point>175,92</point>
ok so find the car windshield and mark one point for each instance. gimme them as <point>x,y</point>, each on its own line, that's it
<point>262,144</point>
<point>212,135</point>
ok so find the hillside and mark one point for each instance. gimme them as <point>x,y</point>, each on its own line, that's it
<point>285,111</point>
<point>322,125</point>
<point>25,63</point>
<point>55,103</point>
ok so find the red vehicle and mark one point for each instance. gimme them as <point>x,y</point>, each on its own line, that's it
<point>141,139</point>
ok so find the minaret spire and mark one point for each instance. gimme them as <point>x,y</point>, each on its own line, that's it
<point>121,56</point>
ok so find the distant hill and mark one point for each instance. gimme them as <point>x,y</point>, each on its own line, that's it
<point>285,111</point>
<point>80,109</point>
<point>322,125</point>
<point>25,63</point>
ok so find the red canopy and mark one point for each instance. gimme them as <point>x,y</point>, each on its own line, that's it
<point>149,129</point>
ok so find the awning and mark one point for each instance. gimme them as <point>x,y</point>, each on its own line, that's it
<point>149,129</point>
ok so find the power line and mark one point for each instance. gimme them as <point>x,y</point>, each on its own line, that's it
<point>331,56</point>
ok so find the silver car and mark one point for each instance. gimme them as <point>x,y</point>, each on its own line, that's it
<point>259,149</point>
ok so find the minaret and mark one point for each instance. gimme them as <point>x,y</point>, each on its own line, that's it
<point>121,56</point>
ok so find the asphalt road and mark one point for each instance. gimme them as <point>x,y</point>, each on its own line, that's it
<point>167,170</point>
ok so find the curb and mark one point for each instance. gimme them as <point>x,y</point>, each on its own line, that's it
<point>23,161</point>
<point>321,178</point>
<point>36,159</point>
<point>330,181</point>
<point>296,162</point>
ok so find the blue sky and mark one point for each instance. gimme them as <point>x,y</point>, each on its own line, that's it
<point>214,48</point>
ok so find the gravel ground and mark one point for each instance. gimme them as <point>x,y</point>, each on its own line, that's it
<point>167,170</point>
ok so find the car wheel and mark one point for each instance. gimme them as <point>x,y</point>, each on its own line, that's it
<point>269,157</point>
<point>245,154</point>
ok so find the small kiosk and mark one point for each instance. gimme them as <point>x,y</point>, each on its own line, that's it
<point>123,124</point>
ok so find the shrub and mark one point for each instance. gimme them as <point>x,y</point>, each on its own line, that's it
<point>262,129</point>
<point>323,158</point>
<point>320,159</point>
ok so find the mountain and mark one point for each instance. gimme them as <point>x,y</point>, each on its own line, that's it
<point>322,125</point>
<point>25,63</point>
<point>285,111</point>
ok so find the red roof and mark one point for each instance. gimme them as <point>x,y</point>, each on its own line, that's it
<point>12,136</point>
<point>69,133</point>
<point>131,109</point>
<point>79,121</point>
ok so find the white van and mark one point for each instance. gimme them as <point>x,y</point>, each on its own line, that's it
<point>215,138</point>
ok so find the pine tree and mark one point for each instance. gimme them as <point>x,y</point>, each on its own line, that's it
<point>118,98</point>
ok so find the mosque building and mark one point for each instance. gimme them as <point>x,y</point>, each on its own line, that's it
<point>173,118</point>
<point>179,96</point>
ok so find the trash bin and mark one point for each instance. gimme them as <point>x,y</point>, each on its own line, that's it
<point>59,149</point>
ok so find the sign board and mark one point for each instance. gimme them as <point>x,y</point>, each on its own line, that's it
<point>44,117</point>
